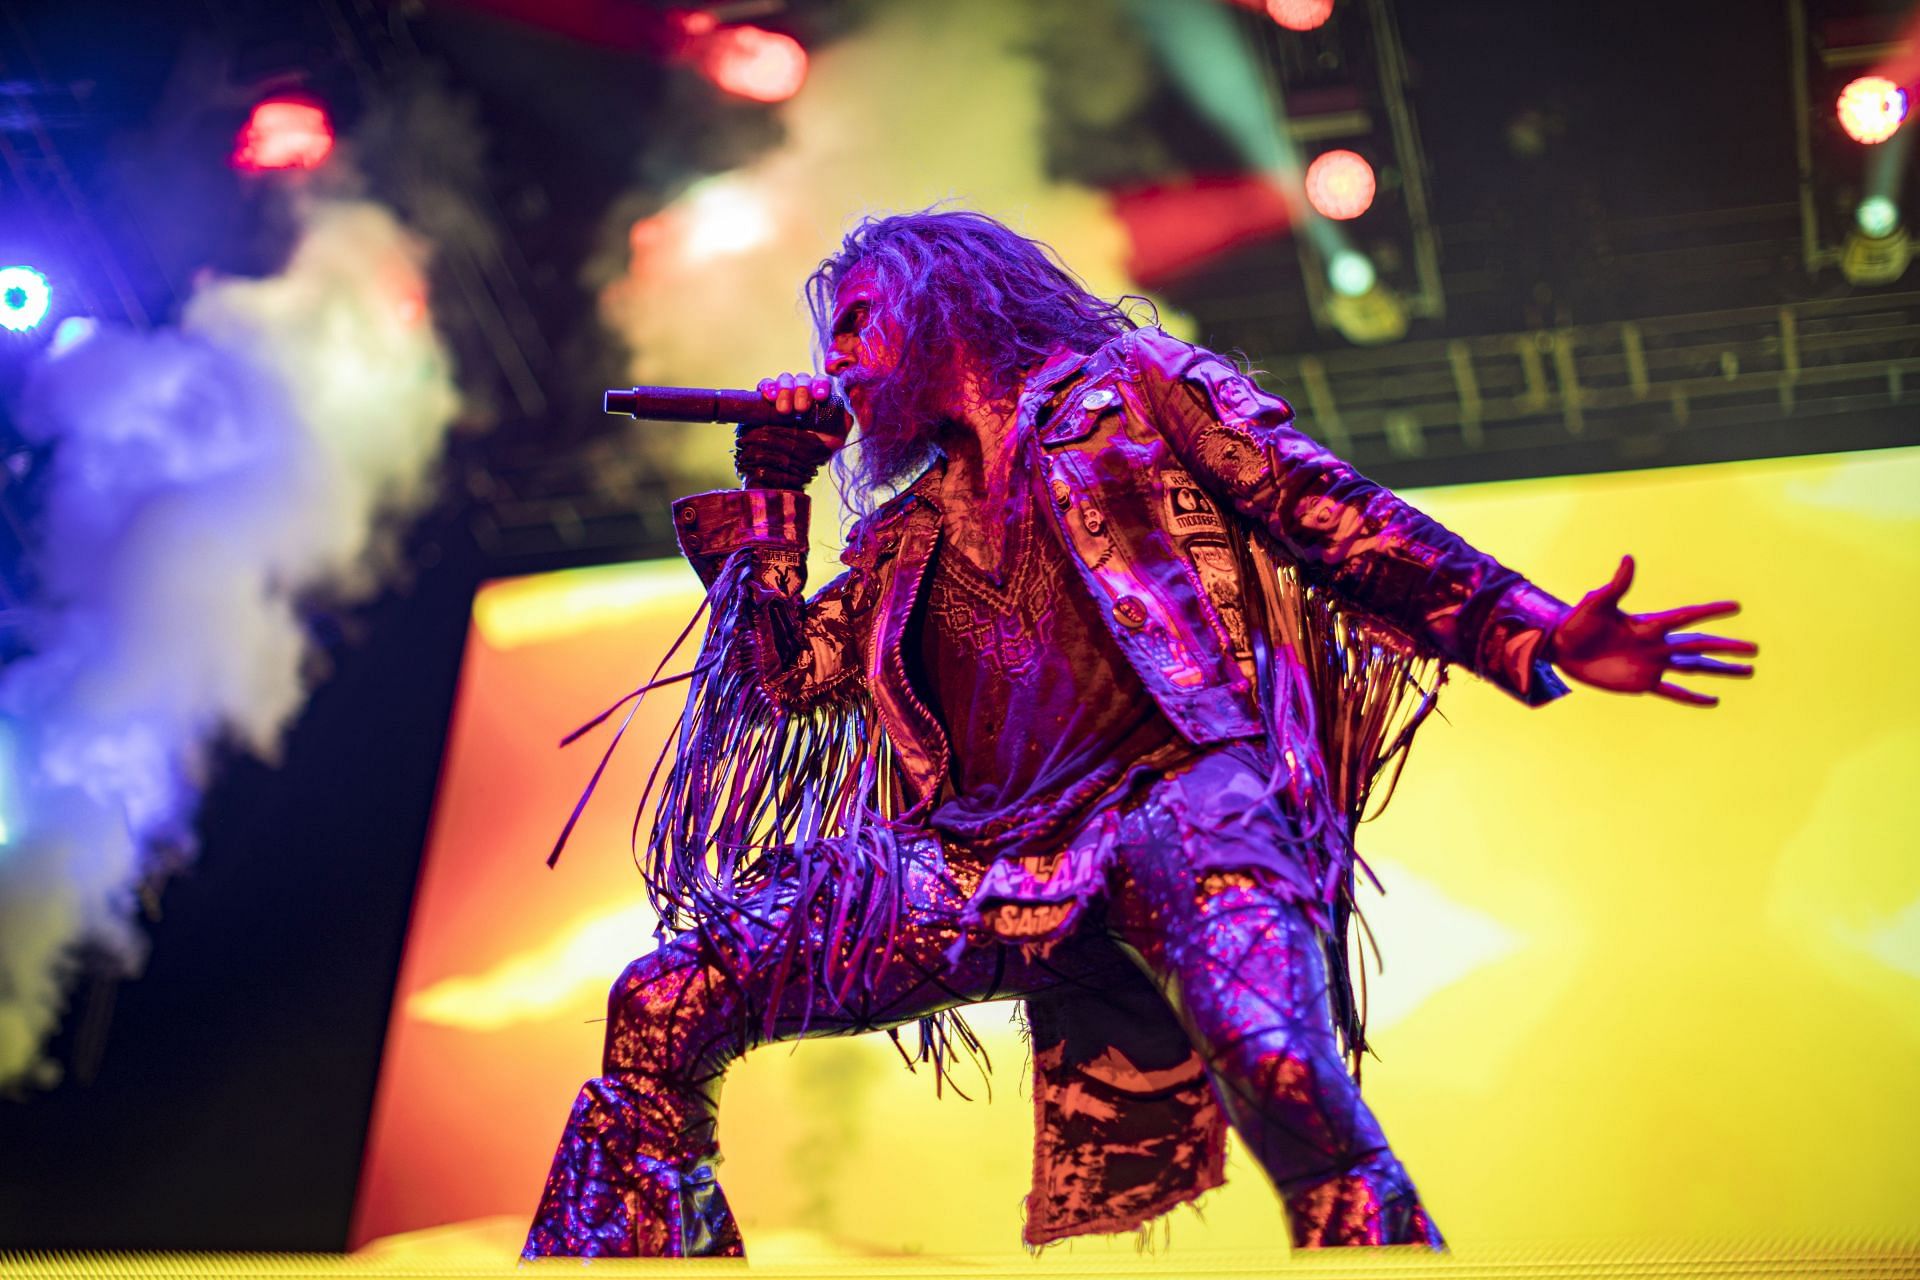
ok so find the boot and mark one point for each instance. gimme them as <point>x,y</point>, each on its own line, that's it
<point>634,1177</point>
<point>1373,1203</point>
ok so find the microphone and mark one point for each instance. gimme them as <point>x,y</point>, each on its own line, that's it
<point>700,404</point>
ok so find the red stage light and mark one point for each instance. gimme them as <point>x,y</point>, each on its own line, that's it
<point>284,134</point>
<point>752,63</point>
<point>1871,108</point>
<point>1299,15</point>
<point>1176,228</point>
<point>1340,185</point>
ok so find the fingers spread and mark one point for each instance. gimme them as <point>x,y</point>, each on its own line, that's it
<point>1667,619</point>
<point>1622,579</point>
<point>1607,595</point>
<point>1697,642</point>
<point>1673,691</point>
<point>1691,662</point>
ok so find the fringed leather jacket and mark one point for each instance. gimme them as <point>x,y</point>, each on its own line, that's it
<point>1261,588</point>
<point>1160,460</point>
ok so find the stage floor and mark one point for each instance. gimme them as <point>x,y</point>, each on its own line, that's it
<point>486,1248</point>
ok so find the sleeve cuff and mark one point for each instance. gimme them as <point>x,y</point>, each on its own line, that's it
<point>721,522</point>
<point>712,526</point>
<point>1512,651</point>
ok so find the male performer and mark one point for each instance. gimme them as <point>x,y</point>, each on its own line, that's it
<point>1086,722</point>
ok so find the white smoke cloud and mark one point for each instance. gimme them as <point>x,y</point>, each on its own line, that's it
<point>203,480</point>
<point>927,103</point>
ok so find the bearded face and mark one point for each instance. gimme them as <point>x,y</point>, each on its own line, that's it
<point>898,390</point>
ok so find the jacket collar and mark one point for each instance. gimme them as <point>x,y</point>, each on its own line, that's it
<point>1051,374</point>
<point>927,487</point>
<point>1048,411</point>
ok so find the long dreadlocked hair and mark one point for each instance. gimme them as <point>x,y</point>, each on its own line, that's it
<point>949,284</point>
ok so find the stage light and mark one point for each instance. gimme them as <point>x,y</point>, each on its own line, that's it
<point>1877,216</point>
<point>725,216</point>
<point>1877,249</point>
<point>1365,311</point>
<point>1300,15</point>
<point>1875,260</point>
<point>1872,108</point>
<point>751,63</point>
<point>1340,185</point>
<point>1175,227</point>
<point>284,134</point>
<point>24,298</point>
<point>1350,273</point>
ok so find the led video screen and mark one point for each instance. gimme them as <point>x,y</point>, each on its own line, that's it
<point>1651,974</point>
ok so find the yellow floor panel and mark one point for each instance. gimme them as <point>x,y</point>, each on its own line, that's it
<point>483,1250</point>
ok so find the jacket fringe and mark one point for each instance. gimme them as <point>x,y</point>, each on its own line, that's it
<point>1363,690</point>
<point>773,837</point>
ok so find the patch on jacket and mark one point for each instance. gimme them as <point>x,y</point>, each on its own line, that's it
<point>1229,454</point>
<point>1236,396</point>
<point>783,570</point>
<point>1220,579</point>
<point>1189,509</point>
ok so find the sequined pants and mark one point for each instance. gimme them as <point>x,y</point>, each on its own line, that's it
<point>1239,963</point>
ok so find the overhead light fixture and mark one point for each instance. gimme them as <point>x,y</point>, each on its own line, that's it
<point>1877,217</point>
<point>25,297</point>
<point>1300,15</point>
<point>1365,311</point>
<point>1875,260</point>
<point>1351,273</point>
<point>753,63</point>
<point>1340,185</point>
<point>1872,109</point>
<point>284,133</point>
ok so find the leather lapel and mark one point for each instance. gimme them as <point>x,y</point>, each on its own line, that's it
<point>919,742</point>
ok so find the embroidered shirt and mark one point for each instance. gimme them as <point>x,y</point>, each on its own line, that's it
<point>1043,713</point>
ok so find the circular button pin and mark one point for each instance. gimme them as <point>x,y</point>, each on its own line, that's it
<point>1094,401</point>
<point>1062,495</point>
<point>1129,612</point>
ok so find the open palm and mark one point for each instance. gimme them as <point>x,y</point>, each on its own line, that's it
<point>1599,645</point>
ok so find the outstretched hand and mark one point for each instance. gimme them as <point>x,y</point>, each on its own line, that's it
<point>1599,645</point>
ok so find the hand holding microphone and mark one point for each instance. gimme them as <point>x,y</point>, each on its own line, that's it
<point>787,427</point>
<point>782,456</point>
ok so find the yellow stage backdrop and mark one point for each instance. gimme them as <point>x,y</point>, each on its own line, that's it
<point>1652,974</point>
